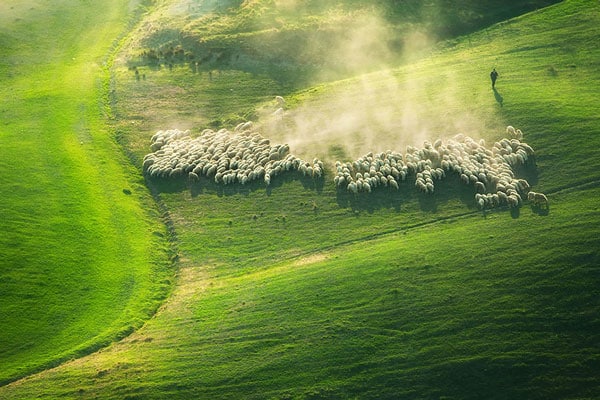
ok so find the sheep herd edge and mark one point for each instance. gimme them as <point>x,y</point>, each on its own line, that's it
<point>243,155</point>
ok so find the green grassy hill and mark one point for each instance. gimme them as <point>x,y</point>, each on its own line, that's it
<point>299,291</point>
<point>295,43</point>
<point>79,265</point>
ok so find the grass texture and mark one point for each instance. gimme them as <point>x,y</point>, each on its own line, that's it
<point>299,291</point>
<point>80,265</point>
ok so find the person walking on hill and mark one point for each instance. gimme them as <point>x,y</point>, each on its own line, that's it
<point>494,76</point>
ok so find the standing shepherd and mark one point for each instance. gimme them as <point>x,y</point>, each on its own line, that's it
<point>494,76</point>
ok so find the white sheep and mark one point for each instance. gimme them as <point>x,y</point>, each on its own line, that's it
<point>278,114</point>
<point>518,134</point>
<point>244,155</point>
<point>480,187</point>
<point>513,201</point>
<point>244,126</point>
<point>480,200</point>
<point>280,101</point>
<point>352,187</point>
<point>538,199</point>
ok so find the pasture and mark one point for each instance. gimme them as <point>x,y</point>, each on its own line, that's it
<point>299,290</point>
<point>81,262</point>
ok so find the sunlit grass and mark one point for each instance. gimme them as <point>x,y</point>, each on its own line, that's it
<point>298,291</point>
<point>80,266</point>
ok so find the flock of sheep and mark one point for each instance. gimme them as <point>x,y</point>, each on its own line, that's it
<point>244,155</point>
<point>227,157</point>
<point>489,171</point>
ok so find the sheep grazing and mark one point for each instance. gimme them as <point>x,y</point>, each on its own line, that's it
<point>352,187</point>
<point>193,176</point>
<point>278,113</point>
<point>243,156</point>
<point>479,187</point>
<point>538,199</point>
<point>512,132</point>
<point>226,157</point>
<point>513,201</point>
<point>480,200</point>
<point>162,138</point>
<point>518,134</point>
<point>371,171</point>
<point>280,101</point>
<point>488,170</point>
<point>244,126</point>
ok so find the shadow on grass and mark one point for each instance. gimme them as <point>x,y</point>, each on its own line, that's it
<point>382,197</point>
<point>542,211</point>
<point>209,186</point>
<point>387,197</point>
<point>481,377</point>
<point>498,97</point>
<point>515,212</point>
<point>528,171</point>
<point>166,185</point>
<point>446,190</point>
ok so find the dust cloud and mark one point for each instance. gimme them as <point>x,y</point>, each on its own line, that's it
<point>376,111</point>
<point>388,103</point>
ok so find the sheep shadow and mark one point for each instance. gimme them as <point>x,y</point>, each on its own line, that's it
<point>539,210</point>
<point>379,198</point>
<point>386,197</point>
<point>445,190</point>
<point>515,212</point>
<point>166,185</point>
<point>428,202</point>
<point>207,185</point>
<point>498,97</point>
<point>528,171</point>
<point>307,182</point>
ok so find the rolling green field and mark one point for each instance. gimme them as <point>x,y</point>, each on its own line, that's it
<point>298,290</point>
<point>80,265</point>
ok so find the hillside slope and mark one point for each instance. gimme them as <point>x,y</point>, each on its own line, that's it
<point>298,42</point>
<point>299,291</point>
<point>79,266</point>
